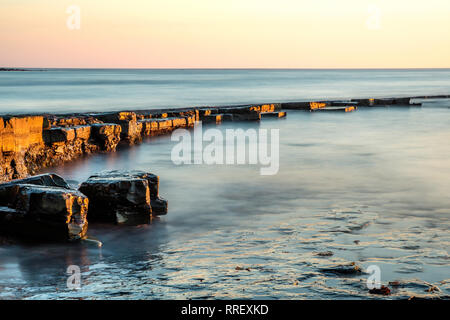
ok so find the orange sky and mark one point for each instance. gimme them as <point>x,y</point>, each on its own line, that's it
<point>227,34</point>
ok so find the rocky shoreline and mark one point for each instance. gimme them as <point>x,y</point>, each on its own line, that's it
<point>45,207</point>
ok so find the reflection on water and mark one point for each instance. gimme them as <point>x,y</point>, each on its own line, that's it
<point>371,187</point>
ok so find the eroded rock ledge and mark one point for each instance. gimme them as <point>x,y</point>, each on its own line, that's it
<point>29,143</point>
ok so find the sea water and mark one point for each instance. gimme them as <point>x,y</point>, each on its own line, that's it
<point>370,186</point>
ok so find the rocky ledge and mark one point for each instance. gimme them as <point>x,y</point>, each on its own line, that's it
<point>44,207</point>
<point>29,143</point>
<point>124,197</point>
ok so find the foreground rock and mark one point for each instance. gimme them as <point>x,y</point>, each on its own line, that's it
<point>130,197</point>
<point>43,207</point>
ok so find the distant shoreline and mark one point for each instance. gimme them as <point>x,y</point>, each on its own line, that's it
<point>218,68</point>
<point>19,69</point>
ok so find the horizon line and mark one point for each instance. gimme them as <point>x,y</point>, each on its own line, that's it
<point>228,68</point>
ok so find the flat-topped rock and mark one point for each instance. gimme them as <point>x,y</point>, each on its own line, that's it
<point>47,179</point>
<point>62,134</point>
<point>335,109</point>
<point>280,114</point>
<point>247,116</point>
<point>212,118</point>
<point>131,128</point>
<point>43,212</point>
<point>123,197</point>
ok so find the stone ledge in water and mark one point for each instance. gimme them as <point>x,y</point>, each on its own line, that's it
<point>346,269</point>
<point>43,212</point>
<point>107,135</point>
<point>131,128</point>
<point>47,179</point>
<point>123,197</point>
<point>212,118</point>
<point>248,116</point>
<point>279,114</point>
<point>335,109</point>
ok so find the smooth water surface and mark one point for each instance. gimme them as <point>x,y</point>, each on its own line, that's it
<point>79,90</point>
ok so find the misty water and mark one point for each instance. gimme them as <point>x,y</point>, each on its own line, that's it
<point>371,187</point>
<point>85,90</point>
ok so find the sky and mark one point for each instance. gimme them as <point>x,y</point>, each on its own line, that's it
<point>225,33</point>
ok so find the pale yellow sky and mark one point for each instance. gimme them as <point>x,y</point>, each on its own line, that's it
<point>226,34</point>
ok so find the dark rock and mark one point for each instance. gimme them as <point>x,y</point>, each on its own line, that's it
<point>248,116</point>
<point>350,269</point>
<point>58,135</point>
<point>159,206</point>
<point>212,118</point>
<point>382,290</point>
<point>227,117</point>
<point>324,254</point>
<point>280,114</point>
<point>42,212</point>
<point>364,102</point>
<point>334,109</point>
<point>48,179</point>
<point>296,105</point>
<point>123,197</point>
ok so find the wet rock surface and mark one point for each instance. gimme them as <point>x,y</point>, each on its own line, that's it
<point>48,179</point>
<point>382,290</point>
<point>130,197</point>
<point>44,208</point>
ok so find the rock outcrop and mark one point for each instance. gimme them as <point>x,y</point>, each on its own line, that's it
<point>43,207</point>
<point>123,197</point>
<point>30,143</point>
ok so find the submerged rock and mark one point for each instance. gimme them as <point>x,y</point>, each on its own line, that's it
<point>324,254</point>
<point>382,290</point>
<point>123,197</point>
<point>347,269</point>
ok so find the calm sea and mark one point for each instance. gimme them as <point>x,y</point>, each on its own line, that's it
<point>371,187</point>
<point>75,90</point>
